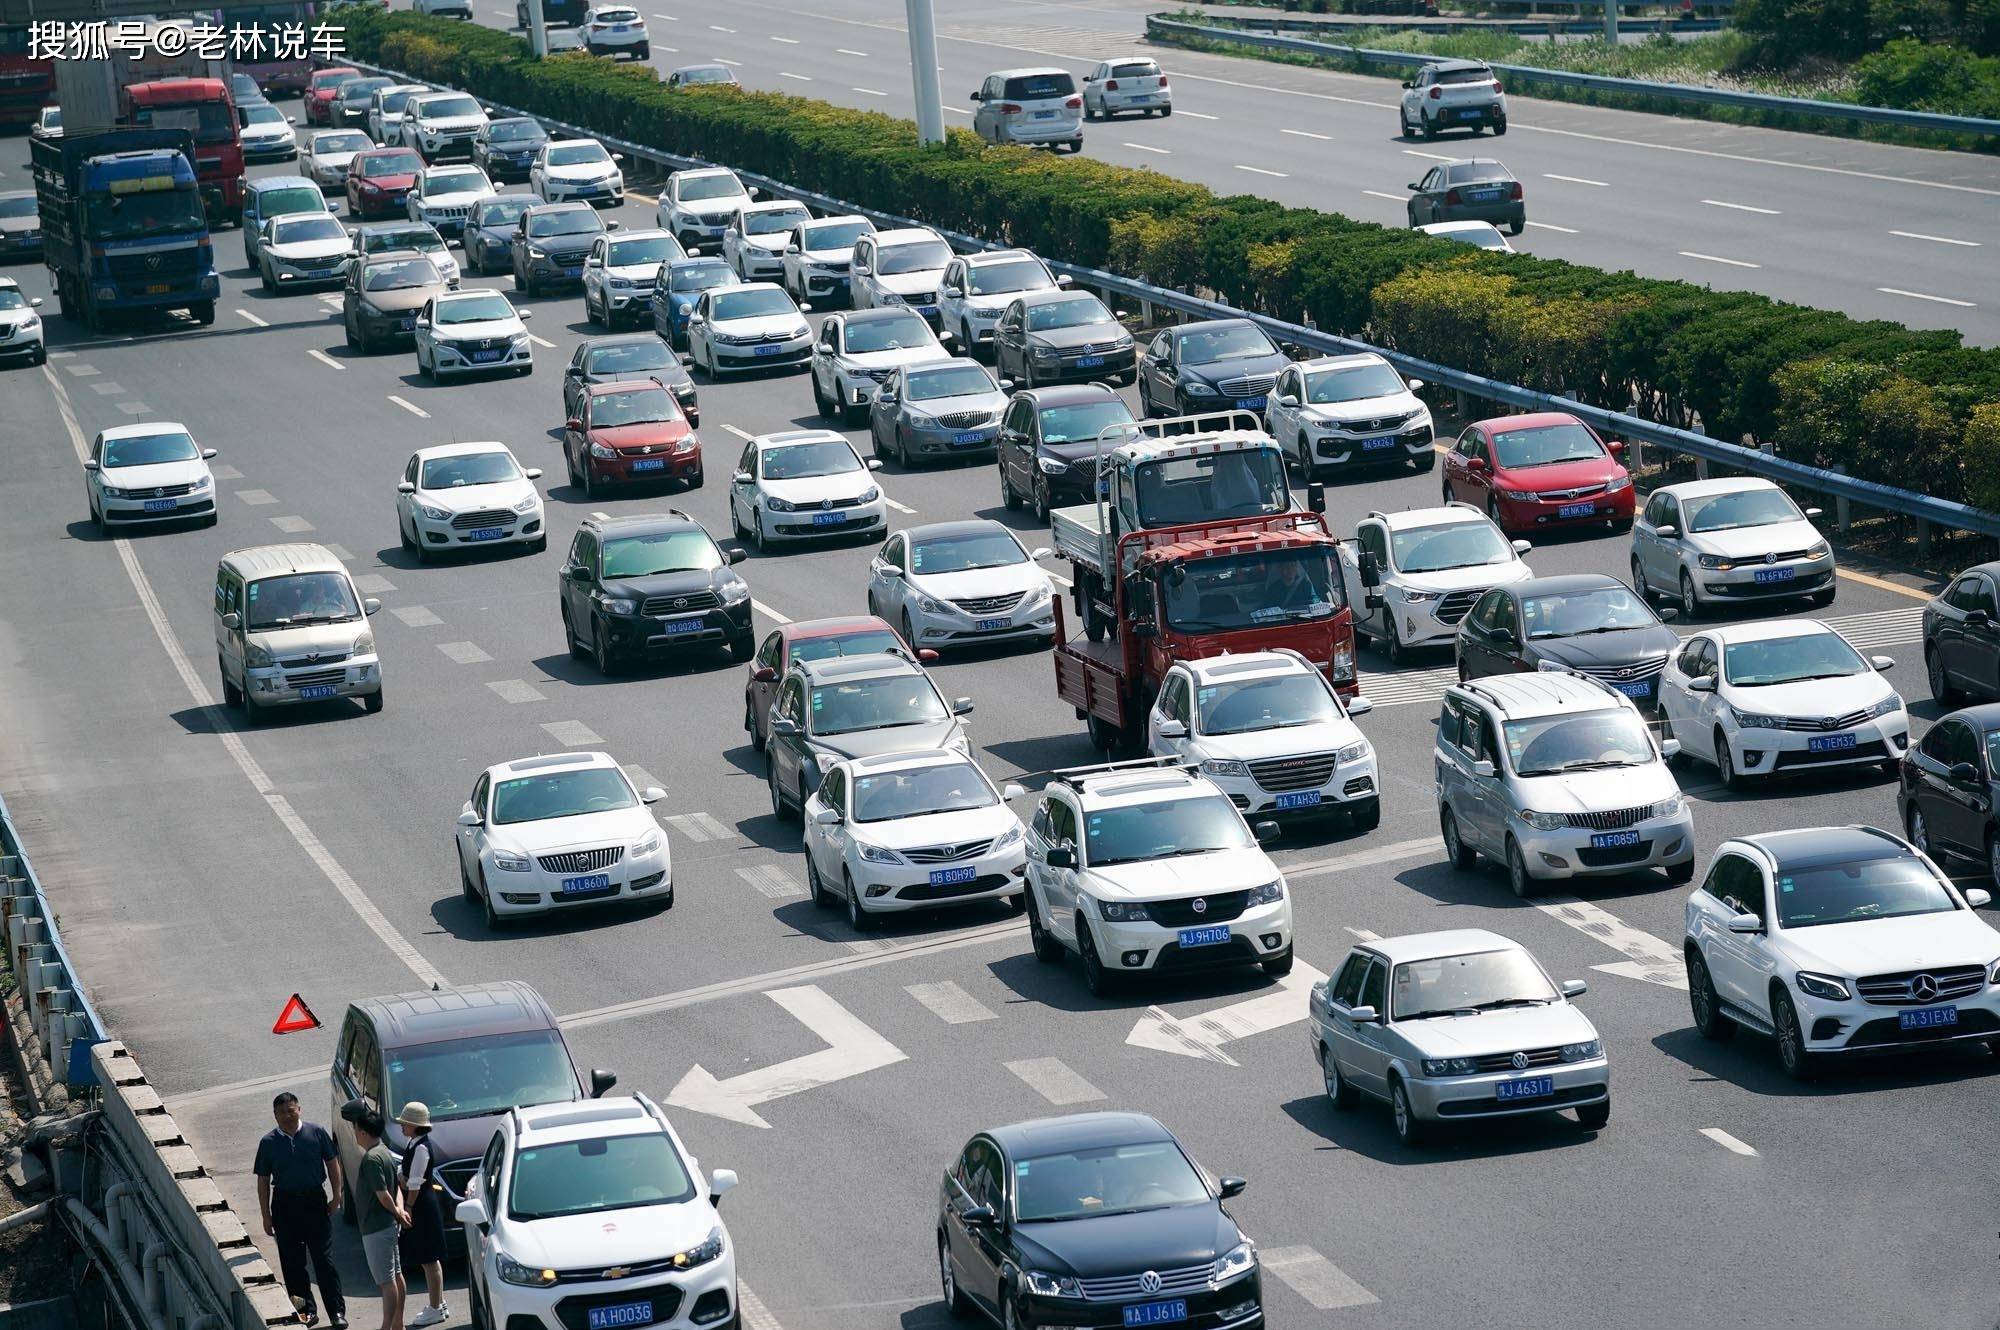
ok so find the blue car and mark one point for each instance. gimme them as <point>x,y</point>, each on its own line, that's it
<point>489,231</point>
<point>680,285</point>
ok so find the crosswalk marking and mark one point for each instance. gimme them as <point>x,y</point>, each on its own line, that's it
<point>771,880</point>
<point>415,616</point>
<point>572,733</point>
<point>1052,1079</point>
<point>372,584</point>
<point>517,691</point>
<point>1319,1281</point>
<point>950,1003</point>
<point>697,827</point>
<point>464,653</point>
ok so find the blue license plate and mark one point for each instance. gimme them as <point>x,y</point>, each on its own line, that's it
<point>951,877</point>
<point>573,272</point>
<point>1768,575</point>
<point>1211,936</point>
<point>928,311</point>
<point>1156,1313</point>
<point>972,437</point>
<point>406,325</point>
<point>1472,114</point>
<point>1829,743</point>
<point>650,464</point>
<point>992,625</point>
<point>1299,799</point>
<point>1612,840</point>
<point>621,1315</point>
<point>574,886</point>
<point>769,350</point>
<point>1485,195</point>
<point>1249,404</point>
<point>1089,362</point>
<point>318,692</point>
<point>672,626</point>
<point>1048,115</point>
<point>1530,1087</point>
<point>162,505</point>
<point>1926,1018</point>
<point>1371,445</point>
<point>829,519</point>
<point>1634,689</point>
<point>486,533</point>
<point>1576,510</point>
<point>487,357</point>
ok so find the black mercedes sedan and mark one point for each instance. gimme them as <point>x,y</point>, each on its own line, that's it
<point>1093,1220</point>
<point>1586,622</point>
<point>1215,365</point>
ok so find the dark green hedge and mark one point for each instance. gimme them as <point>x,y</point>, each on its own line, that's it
<point>1672,351</point>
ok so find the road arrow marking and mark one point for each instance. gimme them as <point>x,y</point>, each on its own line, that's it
<point>1651,959</point>
<point>853,1048</point>
<point>1203,1036</point>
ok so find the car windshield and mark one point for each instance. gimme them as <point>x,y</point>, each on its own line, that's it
<point>835,235</point>
<point>328,144</point>
<point>359,90</point>
<point>1163,829</point>
<point>504,211</point>
<point>771,223</point>
<point>1280,702</point>
<point>897,332</point>
<point>753,303</point>
<point>629,357</point>
<point>1870,889</point>
<point>289,200</point>
<point>696,188</point>
<point>1252,590</point>
<point>569,222</point>
<point>948,788</point>
<point>330,78</point>
<point>1174,491</point>
<point>577,154</point>
<point>1083,423</point>
<point>865,642</point>
<point>648,406</point>
<point>686,551</point>
<point>394,98</point>
<point>913,256</point>
<point>12,299</point>
<point>700,277</point>
<point>888,702</point>
<point>1775,660</point>
<point>444,473</point>
<point>705,74</point>
<point>512,131</point>
<point>263,113</point>
<point>455,181</point>
<point>796,461</point>
<point>597,1174</point>
<point>1589,741</point>
<point>401,162</point>
<point>410,237</point>
<point>1432,549</point>
<point>321,227</point>
<point>400,275</point>
<point>542,798</point>
<point>1231,342</point>
<point>1460,985</point>
<point>1608,609</point>
<point>293,599</point>
<point>209,122</point>
<point>490,1073</point>
<point>439,108</point>
<point>156,212</point>
<point>650,251</point>
<point>1110,1180</point>
<point>1077,312</point>
<point>475,309</point>
<point>995,279</point>
<point>144,449</point>
<point>954,381</point>
<point>1545,445</point>
<point>1352,383</point>
<point>964,552</point>
<point>1727,512</point>
<point>18,205</point>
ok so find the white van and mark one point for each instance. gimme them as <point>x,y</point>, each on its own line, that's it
<point>290,627</point>
<point>1030,106</point>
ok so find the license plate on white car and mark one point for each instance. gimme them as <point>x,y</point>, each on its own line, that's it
<point>621,1315</point>
<point>576,886</point>
<point>829,519</point>
<point>486,533</point>
<point>993,625</point>
<point>487,357</point>
<point>1613,840</point>
<point>1528,1087</point>
<point>1926,1018</point>
<point>952,877</point>
<point>1299,799</point>
<point>1371,445</point>
<point>162,505</point>
<point>769,350</point>
<point>1213,935</point>
<point>1829,743</point>
<point>318,692</point>
<point>1045,115</point>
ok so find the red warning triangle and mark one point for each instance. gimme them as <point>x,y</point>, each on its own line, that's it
<point>296,1016</point>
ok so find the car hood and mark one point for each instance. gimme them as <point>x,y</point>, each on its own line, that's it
<point>472,498</point>
<point>1752,542</point>
<point>828,255</point>
<point>610,1237</point>
<point>1171,1238</point>
<point>1580,474</point>
<point>809,490</point>
<point>997,303</point>
<point>1503,1031</point>
<point>326,638</point>
<point>977,583</point>
<point>1475,575</point>
<point>1367,408</point>
<point>1196,875</point>
<point>565,245</point>
<point>893,359</point>
<point>1622,647</point>
<point>770,244</point>
<point>1082,334</point>
<point>768,325</point>
<point>633,272</point>
<point>965,824</point>
<point>258,133</point>
<point>14,318</point>
<point>12,226</point>
<point>460,198</point>
<point>343,160</point>
<point>401,180</point>
<point>710,209</point>
<point>404,299</point>
<point>1256,745</point>
<point>922,282</point>
<point>992,403</point>
<point>925,737</point>
<point>653,434</point>
<point>617,826</point>
<point>1812,698</point>
<point>449,124</point>
<point>331,247</point>
<point>581,171</point>
<point>154,476</point>
<point>717,580</point>
<point>1587,791</point>
<point>510,149</point>
<point>462,332</point>
<point>1885,946</point>
<point>1240,367</point>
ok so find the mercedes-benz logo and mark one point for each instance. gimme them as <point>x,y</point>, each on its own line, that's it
<point>1770,558</point>
<point>1520,1061</point>
<point>1149,1282</point>
<point>1200,905</point>
<point>1924,988</point>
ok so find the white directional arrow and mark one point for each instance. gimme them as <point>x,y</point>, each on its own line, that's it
<point>852,1049</point>
<point>1652,960</point>
<point>1204,1036</point>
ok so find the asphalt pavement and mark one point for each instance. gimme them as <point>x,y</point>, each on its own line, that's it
<point>204,873</point>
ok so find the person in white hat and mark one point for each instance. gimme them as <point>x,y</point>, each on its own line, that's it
<point>423,1242</point>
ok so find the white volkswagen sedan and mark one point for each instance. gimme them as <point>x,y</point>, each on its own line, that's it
<point>748,327</point>
<point>949,584</point>
<point>148,473</point>
<point>802,484</point>
<point>469,332</point>
<point>459,495</point>
<point>577,170</point>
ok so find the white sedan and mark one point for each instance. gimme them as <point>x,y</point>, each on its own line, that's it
<point>748,327</point>
<point>445,194</point>
<point>462,495</point>
<point>802,484</point>
<point>148,473</point>
<point>328,154</point>
<point>302,250</point>
<point>468,332</point>
<point>577,171</point>
<point>911,831</point>
<point>950,584</point>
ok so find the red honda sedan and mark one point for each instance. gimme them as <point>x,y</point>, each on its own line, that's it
<point>1539,471</point>
<point>319,94</point>
<point>378,182</point>
<point>814,639</point>
<point>630,431</point>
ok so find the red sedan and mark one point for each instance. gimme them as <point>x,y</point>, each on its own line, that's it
<point>319,93</point>
<point>628,432</point>
<point>379,182</point>
<point>814,639</point>
<point>1534,472</point>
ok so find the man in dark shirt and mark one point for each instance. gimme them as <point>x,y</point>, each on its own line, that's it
<point>296,1163</point>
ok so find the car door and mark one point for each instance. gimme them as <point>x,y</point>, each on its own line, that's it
<point>743,488</point>
<point>1734,959</point>
<point>1676,700</point>
<point>784,752</point>
<point>1979,647</point>
<point>573,377</point>
<point>593,275</point>
<point>1508,639</point>
<point>882,409</point>
<point>1060,890</point>
<point>986,102</point>
<point>1483,805</point>
<point>1013,448</point>
<point>861,274</point>
<point>229,641</point>
<point>951,292</point>
<point>1171,705</point>
<point>1646,540</point>
<point>1458,469</point>
<point>1370,1067</point>
<point>486,1184</point>
<point>697,324</point>
<point>1413,95</point>
<point>471,840</point>
<point>1957,811</point>
<point>1371,538</point>
<point>405,501</point>
<point>1282,420</point>
<point>885,579</point>
<point>577,575</point>
<point>1478,653</point>
<point>1343,993</point>
<point>983,1253</point>
<point>1158,373</point>
<point>826,845</point>
<point>1007,347</point>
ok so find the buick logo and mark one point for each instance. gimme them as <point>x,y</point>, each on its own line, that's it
<point>1200,906</point>
<point>1924,988</point>
<point>154,260</point>
<point>1149,1282</point>
<point>1520,1061</point>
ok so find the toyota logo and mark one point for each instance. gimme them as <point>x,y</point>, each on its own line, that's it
<point>1829,722</point>
<point>680,602</point>
<point>1924,988</point>
<point>1200,905</point>
<point>1520,1061</point>
<point>1149,1282</point>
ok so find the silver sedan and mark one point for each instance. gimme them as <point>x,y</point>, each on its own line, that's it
<point>935,411</point>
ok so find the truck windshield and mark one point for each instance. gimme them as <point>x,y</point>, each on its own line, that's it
<point>209,122</point>
<point>1211,487</point>
<point>160,212</point>
<point>1252,590</point>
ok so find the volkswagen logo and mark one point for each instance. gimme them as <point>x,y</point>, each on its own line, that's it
<point>1200,905</point>
<point>154,260</point>
<point>826,503</point>
<point>1770,558</point>
<point>1149,1282</point>
<point>1520,1061</point>
<point>1924,988</point>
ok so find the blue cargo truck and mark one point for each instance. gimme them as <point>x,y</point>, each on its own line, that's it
<point>122,224</point>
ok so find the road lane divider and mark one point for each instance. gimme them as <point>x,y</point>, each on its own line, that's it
<point>1053,1080</point>
<point>324,359</point>
<point>1728,1142</point>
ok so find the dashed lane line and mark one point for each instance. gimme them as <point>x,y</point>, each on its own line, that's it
<point>516,691</point>
<point>573,733</point>
<point>697,827</point>
<point>410,407</point>
<point>1378,194</point>
<point>842,50</point>
<point>788,74</point>
<point>1936,240</point>
<point>80,370</point>
<point>1307,134</point>
<point>1365,934</point>
<point>135,408</point>
<point>225,472</point>
<point>1919,295</point>
<point>1717,258</point>
<point>1258,170</point>
<point>108,389</point>
<point>250,318</point>
<point>369,584</point>
<point>739,432</point>
<point>324,359</point>
<point>542,342</point>
<point>464,653</point>
<point>1577,180</point>
<point>1429,156</point>
<point>1379,854</point>
<point>950,1003</point>
<point>1319,1281</point>
<point>771,880</point>
<point>292,525</point>
<point>415,616</point>
<point>256,498</point>
<point>899,507</point>
<point>788,41</point>
<point>1728,1142</point>
<point>769,613</point>
<point>733,64</point>
<point>869,92</point>
<point>1742,207</point>
<point>1198,115</point>
<point>1147,147</point>
<point>1551,226</point>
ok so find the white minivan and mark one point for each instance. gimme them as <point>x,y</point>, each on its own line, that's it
<point>1030,106</point>
<point>290,627</point>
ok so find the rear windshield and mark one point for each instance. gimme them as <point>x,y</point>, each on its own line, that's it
<point>1480,75</point>
<point>1136,70</point>
<point>1472,173</point>
<point>1037,87</point>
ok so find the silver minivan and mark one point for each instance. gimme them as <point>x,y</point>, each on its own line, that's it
<point>290,627</point>
<point>1030,106</point>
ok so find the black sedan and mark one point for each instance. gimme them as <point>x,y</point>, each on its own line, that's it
<point>1048,444</point>
<point>489,231</point>
<point>628,357</point>
<point>1479,190</point>
<point>506,148</point>
<point>1586,622</point>
<point>1097,1219</point>
<point>1215,365</point>
<point>1948,790</point>
<point>1962,636</point>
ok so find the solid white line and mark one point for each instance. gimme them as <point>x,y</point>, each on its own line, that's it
<point>869,92</point>
<point>1576,180</point>
<point>716,28</point>
<point>958,110</point>
<point>1196,114</point>
<point>1742,207</point>
<point>901,508</point>
<point>1380,854</point>
<point>1919,295</point>
<point>1147,147</point>
<point>1714,258</point>
<point>1258,170</point>
<point>1914,235</point>
<point>280,806</point>
<point>1366,935</point>
<point>842,50</point>
<point>769,613</point>
<point>1434,156</point>
<point>323,358</point>
<point>1378,194</point>
<point>252,318</point>
<point>734,64</point>
<point>789,41</point>
<point>1551,226</point>
<point>1307,134</point>
<point>1060,580</point>
<point>410,407</point>
<point>1727,1142</point>
<point>545,345</point>
<point>739,433</point>
<point>1052,1079</point>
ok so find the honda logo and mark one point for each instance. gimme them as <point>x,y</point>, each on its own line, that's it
<point>1200,906</point>
<point>1924,988</point>
<point>1149,1282</point>
<point>1520,1061</point>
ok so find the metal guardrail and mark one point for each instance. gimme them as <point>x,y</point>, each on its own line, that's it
<point>64,1020</point>
<point>1562,78</point>
<point>1925,509</point>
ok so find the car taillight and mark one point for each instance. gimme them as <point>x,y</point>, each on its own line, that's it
<point>1496,86</point>
<point>1451,196</point>
<point>1515,191</point>
<point>1163,80</point>
<point>1436,92</point>
<point>1009,108</point>
<point>1073,103</point>
<point>1112,86</point>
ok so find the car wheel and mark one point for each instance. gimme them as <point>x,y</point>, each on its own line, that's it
<point>1639,580</point>
<point>1403,124</point>
<point>1942,688</point>
<point>821,403</point>
<point>1410,1129</point>
<point>465,887</point>
<point>1278,966</point>
<point>1493,511</point>
<point>606,656</point>
<point>757,530</point>
<point>1500,128</point>
<point>858,917</point>
<point>1993,857</point>
<point>232,696</point>
<point>577,651</point>
<point>1425,127</point>
<point>1920,830</point>
<point>1399,655</point>
<point>1792,1055</point>
<point>955,1303</point>
<point>1706,1007</point>
<point>1594,1117</point>
<point>1008,499</point>
<point>902,450</point>
<point>495,921</point>
<point>1444,490</point>
<point>253,712</point>
<point>817,886</point>
<point>374,702</point>
<point>1338,1092</point>
<point>1690,598</point>
<point>1517,871</point>
<point>1100,981</point>
<point>1456,850</point>
<point>1040,941</point>
<point>1042,503</point>
<point>1515,228</point>
<point>1725,764</point>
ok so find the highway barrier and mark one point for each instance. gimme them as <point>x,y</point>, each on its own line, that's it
<point>53,1005</point>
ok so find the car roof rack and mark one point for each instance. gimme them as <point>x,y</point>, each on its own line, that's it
<point>1074,776</point>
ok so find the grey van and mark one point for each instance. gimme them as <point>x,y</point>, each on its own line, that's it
<point>290,627</point>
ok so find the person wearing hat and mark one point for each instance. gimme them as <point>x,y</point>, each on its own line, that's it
<point>423,1242</point>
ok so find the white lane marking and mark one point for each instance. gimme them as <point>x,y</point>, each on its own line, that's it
<point>1052,1079</point>
<point>1196,114</point>
<point>572,733</point>
<point>1551,226</point>
<point>1919,295</point>
<point>1716,258</point>
<point>1060,580</point>
<point>1378,194</point>
<point>769,613</point>
<point>1742,207</point>
<point>853,1047</point>
<point>671,18</point>
<point>324,359</point>
<point>516,691</point>
<point>81,370</point>
<point>958,110</point>
<point>542,342</point>
<point>869,92</point>
<point>464,653</point>
<point>292,526</point>
<point>1433,156</point>
<point>1366,935</point>
<point>410,407</point>
<point>1728,1142</point>
<point>1307,134</point>
<point>135,408</point>
<point>1258,170</point>
<point>716,27</point>
<point>899,507</point>
<point>108,389</point>
<point>281,807</point>
<point>1147,147</point>
<point>789,41</point>
<point>1203,1036</point>
<point>842,50</point>
<point>756,1316</point>
<point>743,434</point>
<point>1380,854</point>
<point>1655,961</point>
<point>639,776</point>
<point>788,74</point>
<point>657,47</point>
<point>248,317</point>
<point>733,64</point>
<point>1665,977</point>
<point>697,827</point>
<point>225,472</point>
<point>772,881</point>
<point>369,584</point>
<point>256,498</point>
<point>1941,240</point>
<point>950,1003</point>
<point>1576,180</point>
<point>415,616</point>
<point>1319,1281</point>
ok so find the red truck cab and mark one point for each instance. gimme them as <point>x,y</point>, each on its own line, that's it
<point>204,108</point>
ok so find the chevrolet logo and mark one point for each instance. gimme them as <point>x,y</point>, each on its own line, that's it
<point>618,1272</point>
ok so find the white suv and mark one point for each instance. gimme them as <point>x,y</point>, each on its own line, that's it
<point>1417,573</point>
<point>1837,940</point>
<point>596,1210</point>
<point>1147,868</point>
<point>442,124</point>
<point>754,243</point>
<point>1453,94</point>
<point>856,351</point>
<point>900,267</point>
<point>616,30</point>
<point>1349,412</point>
<point>697,203</point>
<point>977,288</point>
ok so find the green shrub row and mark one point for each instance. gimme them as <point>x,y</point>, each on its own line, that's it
<point>1883,400</point>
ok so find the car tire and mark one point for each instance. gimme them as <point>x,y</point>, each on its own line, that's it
<point>1518,880</point>
<point>602,652</point>
<point>1392,644</point>
<point>1099,980</point>
<point>232,696</point>
<point>1339,1091</point>
<point>1704,1004</point>
<point>1515,228</point>
<point>253,712</point>
<point>858,917</point>
<point>1456,850</point>
<point>495,921</point>
<point>1008,499</point>
<point>821,403</point>
<point>757,532</point>
<point>1425,127</point>
<point>1278,966</point>
<point>1798,1064</point>
<point>1594,1117</point>
<point>1824,597</point>
<point>956,1305</point>
<point>1993,857</point>
<point>374,702</point>
<point>1639,580</point>
<point>1947,693</point>
<point>1040,941</point>
<point>1403,129</point>
<point>465,887</point>
<point>1691,602</point>
<point>1411,1130</point>
<point>1042,500</point>
<point>1725,764</point>
<point>1682,873</point>
<point>1499,129</point>
<point>816,886</point>
<point>780,809</point>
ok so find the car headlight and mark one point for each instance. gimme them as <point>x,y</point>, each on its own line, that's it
<point>1224,766</point>
<point>1268,893</point>
<point>1038,595</point>
<point>1544,821</point>
<point>1419,597</point>
<point>203,482</point>
<point>1888,706</point>
<point>1044,1285</point>
<point>511,863</point>
<point>1518,496</point>
<point>615,604</point>
<point>258,657</point>
<point>736,593</point>
<point>512,1271</point>
<point>1618,483</point>
<point>364,645</point>
<point>1352,753</point>
<point>1547,666</point>
<point>1715,561</point>
<point>1450,1066</point>
<point>603,450</point>
<point>1124,340</point>
<point>887,298</point>
<point>872,493</point>
<point>534,253</point>
<point>1821,986</point>
<point>929,606</point>
<point>32,321</point>
<point>1012,837</point>
<point>1044,353</point>
<point>521,343</point>
<point>1819,551</point>
<point>876,854</point>
<point>1240,1260</point>
<point>529,504</point>
<point>1051,467</point>
<point>778,505</point>
<point>1196,388</point>
<point>1671,806</point>
<point>650,845</point>
<point>434,514</point>
<point>1993,973</point>
<point>112,492</point>
<point>1583,1052</point>
<point>1123,912</point>
<point>1751,720</point>
<point>1343,662</point>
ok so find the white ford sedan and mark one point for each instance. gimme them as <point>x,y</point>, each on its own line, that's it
<point>459,495</point>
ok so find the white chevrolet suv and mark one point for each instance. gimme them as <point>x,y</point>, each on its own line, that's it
<point>1144,868</point>
<point>1420,571</point>
<point>594,1216</point>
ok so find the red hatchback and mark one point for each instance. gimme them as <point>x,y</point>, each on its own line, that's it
<point>319,93</point>
<point>378,182</point>
<point>627,432</point>
<point>815,639</point>
<point>1533,472</point>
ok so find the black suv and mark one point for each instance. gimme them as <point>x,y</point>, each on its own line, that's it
<point>551,242</point>
<point>650,585</point>
<point>1047,448</point>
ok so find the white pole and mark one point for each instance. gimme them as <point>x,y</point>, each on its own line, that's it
<point>538,32</point>
<point>924,71</point>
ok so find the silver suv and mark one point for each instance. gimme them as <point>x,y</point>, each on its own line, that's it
<point>1555,775</point>
<point>1030,106</point>
<point>1453,94</point>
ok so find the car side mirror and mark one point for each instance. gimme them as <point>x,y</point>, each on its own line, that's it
<point>756,191</point>
<point>573,423</point>
<point>1963,773</point>
<point>1359,706</point>
<point>1666,532</point>
<point>207,453</point>
<point>370,606</point>
<point>525,314</point>
<point>1670,747</point>
<point>1413,185</point>
<point>1617,447</point>
<point>874,464</point>
<point>1006,385</point>
<point>232,620</point>
<point>740,478</point>
<point>577,573</point>
<point>1041,552</point>
<point>827,817</point>
<point>1363,1015</point>
<point>1745,923</point>
<point>946,335</point>
<point>720,1181</point>
<point>1144,628</point>
<point>1668,614</point>
<point>1522,547</point>
<point>405,487</point>
<point>89,465</point>
<point>652,794</point>
<point>593,262</point>
<point>1012,791</point>
<point>979,1216</point>
<point>1978,897</point>
<point>1316,498</point>
<point>926,656</point>
<point>601,1082</point>
<point>737,556</point>
<point>472,1211</point>
<point>961,706</point>
<point>1882,664</point>
<point>1977,618</point>
<point>764,674</point>
<point>1288,399</point>
<point>1574,988</point>
<point>1232,1187</point>
<point>1413,384</point>
<point>614,226</point>
<point>793,249</point>
<point>1062,856</point>
<point>1371,569</point>
<point>784,725</point>
<point>953,289</point>
<point>1408,84</point>
<point>694,251</point>
<point>617,156</point>
<point>1483,768</point>
<point>1814,512</point>
<point>1064,279</point>
<point>1172,729</point>
<point>1705,684</point>
<point>469,819</point>
<point>977,97</point>
<point>1266,831</point>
